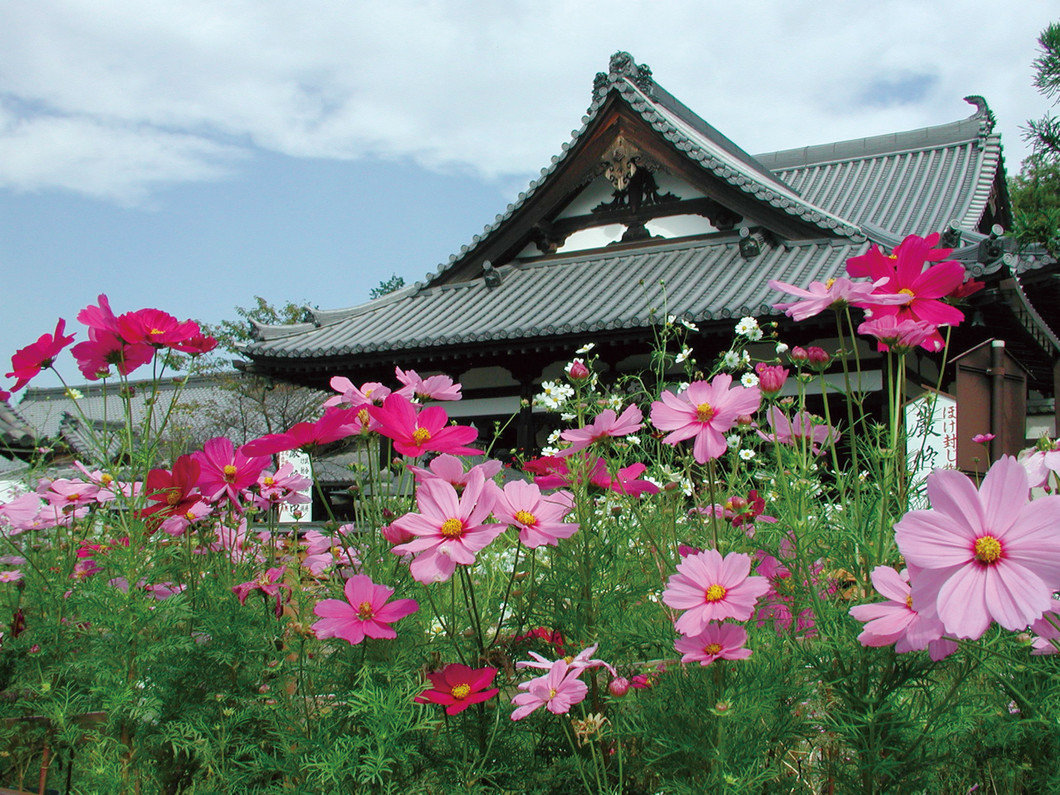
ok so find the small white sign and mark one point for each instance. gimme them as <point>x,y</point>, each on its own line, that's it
<point>302,466</point>
<point>931,435</point>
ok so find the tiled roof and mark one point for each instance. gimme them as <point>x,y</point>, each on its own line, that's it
<point>16,435</point>
<point>689,134</point>
<point>909,182</point>
<point>602,290</point>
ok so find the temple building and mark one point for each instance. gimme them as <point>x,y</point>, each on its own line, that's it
<point>649,211</point>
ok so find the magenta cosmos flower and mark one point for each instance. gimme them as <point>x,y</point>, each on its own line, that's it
<point>225,471</point>
<point>539,518</point>
<point>415,434</point>
<point>704,411</point>
<point>365,612</point>
<point>902,335</point>
<point>458,686</point>
<point>557,691</point>
<point>27,362</point>
<point>605,426</point>
<point>449,529</point>
<point>986,555</point>
<point>904,272</point>
<point>711,588</point>
<point>716,642</point>
<point>896,622</point>
<point>804,429</point>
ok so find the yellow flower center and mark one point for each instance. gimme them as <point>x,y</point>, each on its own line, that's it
<point>363,417</point>
<point>106,480</point>
<point>364,611</point>
<point>907,291</point>
<point>155,331</point>
<point>987,550</point>
<point>551,693</point>
<point>525,517</point>
<point>461,691</point>
<point>452,528</point>
<point>704,412</point>
<point>172,496</point>
<point>421,436</point>
<point>712,648</point>
<point>715,593</point>
<point>828,284</point>
<point>909,601</point>
<point>230,473</point>
<point>268,482</point>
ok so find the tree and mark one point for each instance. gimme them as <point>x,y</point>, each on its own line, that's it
<point>1035,192</point>
<point>390,285</point>
<point>246,405</point>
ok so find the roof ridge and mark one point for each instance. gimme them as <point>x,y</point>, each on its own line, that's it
<point>978,126</point>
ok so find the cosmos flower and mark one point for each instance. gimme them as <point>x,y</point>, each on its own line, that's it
<point>458,686</point>
<point>704,411</point>
<point>983,555</point>
<point>711,588</point>
<point>414,434</point>
<point>557,691</point>
<point>27,362</point>
<point>364,613</point>
<point>539,518</point>
<point>605,426</point>
<point>450,529</point>
<point>718,641</point>
<point>896,622</point>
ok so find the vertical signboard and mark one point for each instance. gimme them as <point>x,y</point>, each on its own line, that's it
<point>930,435</point>
<point>302,466</point>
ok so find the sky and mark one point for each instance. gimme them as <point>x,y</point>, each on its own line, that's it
<point>192,154</point>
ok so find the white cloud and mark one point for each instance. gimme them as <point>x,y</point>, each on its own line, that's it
<point>113,99</point>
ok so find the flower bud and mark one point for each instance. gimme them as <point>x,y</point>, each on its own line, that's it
<point>577,371</point>
<point>818,357</point>
<point>771,378</point>
<point>798,355</point>
<point>618,686</point>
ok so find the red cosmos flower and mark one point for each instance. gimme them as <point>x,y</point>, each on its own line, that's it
<point>225,471</point>
<point>270,583</point>
<point>458,686</point>
<point>173,491</point>
<point>334,425</point>
<point>29,361</point>
<point>415,435</point>
<point>196,344</point>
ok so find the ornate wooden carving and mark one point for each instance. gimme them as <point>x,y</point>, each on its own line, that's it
<point>630,173</point>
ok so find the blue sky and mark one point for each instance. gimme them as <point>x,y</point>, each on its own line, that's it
<point>191,155</point>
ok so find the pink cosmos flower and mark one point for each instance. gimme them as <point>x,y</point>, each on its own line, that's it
<point>364,613</point>
<point>1047,631</point>
<point>896,622</point>
<point>579,662</point>
<point>353,397</point>
<point>458,686</point>
<point>986,555</point>
<point>1040,464</point>
<point>539,518</point>
<point>284,487</point>
<point>711,588</point>
<point>716,642</point>
<point>902,335</point>
<point>704,411</point>
<point>983,438</point>
<point>805,428</point>
<point>450,529</point>
<point>835,293</point>
<point>225,471</point>
<point>604,426</point>
<point>434,387</point>
<point>27,362</point>
<point>270,582</point>
<point>557,691</point>
<point>451,469</point>
<point>414,434</point>
<point>99,318</point>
